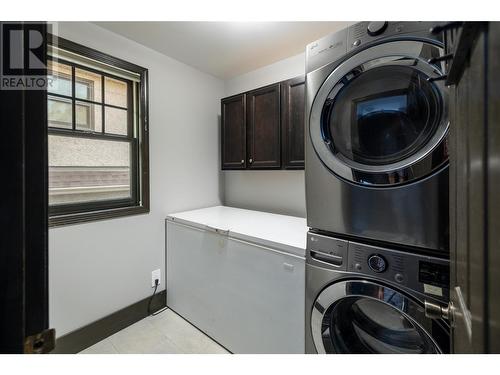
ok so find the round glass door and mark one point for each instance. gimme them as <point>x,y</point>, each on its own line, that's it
<point>380,119</point>
<point>364,317</point>
<point>382,116</point>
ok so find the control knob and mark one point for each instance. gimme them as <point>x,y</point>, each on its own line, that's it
<point>377,263</point>
<point>376,27</point>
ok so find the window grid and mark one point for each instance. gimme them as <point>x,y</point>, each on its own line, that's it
<point>136,136</point>
<point>129,108</point>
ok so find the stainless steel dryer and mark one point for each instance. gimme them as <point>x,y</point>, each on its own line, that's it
<point>376,139</point>
<point>368,299</point>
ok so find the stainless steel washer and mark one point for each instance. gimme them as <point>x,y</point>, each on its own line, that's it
<point>367,299</point>
<point>376,139</point>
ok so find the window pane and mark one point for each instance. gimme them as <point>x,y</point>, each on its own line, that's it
<point>86,170</point>
<point>88,116</point>
<point>59,78</point>
<point>115,92</point>
<point>59,112</point>
<point>88,85</point>
<point>116,121</point>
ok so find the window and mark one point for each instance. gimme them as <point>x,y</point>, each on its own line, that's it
<point>98,140</point>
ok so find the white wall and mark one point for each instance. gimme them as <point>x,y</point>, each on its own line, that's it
<point>276,191</point>
<point>101,267</point>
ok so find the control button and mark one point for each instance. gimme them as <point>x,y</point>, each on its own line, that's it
<point>399,277</point>
<point>356,43</point>
<point>377,263</point>
<point>376,27</point>
<point>358,267</point>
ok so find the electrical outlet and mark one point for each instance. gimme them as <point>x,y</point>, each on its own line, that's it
<point>156,274</point>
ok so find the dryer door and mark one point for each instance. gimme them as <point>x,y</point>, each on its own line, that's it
<point>359,316</point>
<point>377,119</point>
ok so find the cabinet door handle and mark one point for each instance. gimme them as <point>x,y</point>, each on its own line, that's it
<point>243,162</point>
<point>250,160</point>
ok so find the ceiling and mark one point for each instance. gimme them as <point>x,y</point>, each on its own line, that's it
<point>225,49</point>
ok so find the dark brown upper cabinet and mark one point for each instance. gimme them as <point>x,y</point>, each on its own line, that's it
<point>233,132</point>
<point>292,122</point>
<point>263,128</point>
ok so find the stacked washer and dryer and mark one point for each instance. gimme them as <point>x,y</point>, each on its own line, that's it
<point>376,190</point>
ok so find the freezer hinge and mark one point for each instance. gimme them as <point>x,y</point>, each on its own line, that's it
<point>40,343</point>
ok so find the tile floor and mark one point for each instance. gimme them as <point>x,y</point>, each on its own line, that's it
<point>165,333</point>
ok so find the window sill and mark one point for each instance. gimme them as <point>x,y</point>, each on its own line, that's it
<point>85,217</point>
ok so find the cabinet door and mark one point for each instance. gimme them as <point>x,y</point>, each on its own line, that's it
<point>292,122</point>
<point>233,134</point>
<point>263,128</point>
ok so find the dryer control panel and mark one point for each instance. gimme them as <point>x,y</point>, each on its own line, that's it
<point>363,33</point>
<point>338,45</point>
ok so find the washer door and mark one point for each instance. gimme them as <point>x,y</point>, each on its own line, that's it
<point>357,316</point>
<point>377,120</point>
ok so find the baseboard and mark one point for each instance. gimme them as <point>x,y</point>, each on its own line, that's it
<point>92,333</point>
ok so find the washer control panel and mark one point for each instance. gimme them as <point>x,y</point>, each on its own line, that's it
<point>425,274</point>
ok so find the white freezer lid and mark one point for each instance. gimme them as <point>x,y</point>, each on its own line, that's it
<point>281,232</point>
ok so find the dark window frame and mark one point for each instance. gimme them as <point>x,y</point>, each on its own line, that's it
<point>139,203</point>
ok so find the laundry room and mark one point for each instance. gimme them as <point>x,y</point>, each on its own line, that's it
<point>218,183</point>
